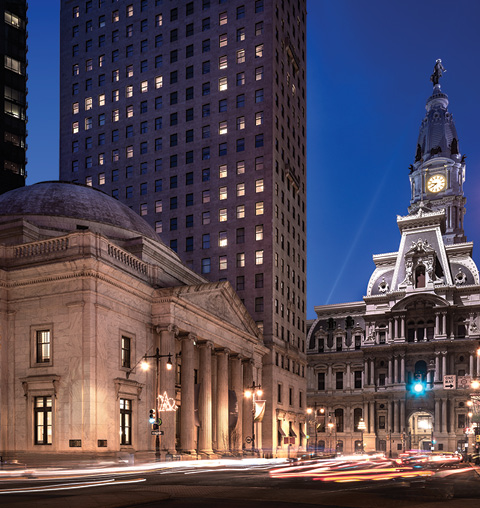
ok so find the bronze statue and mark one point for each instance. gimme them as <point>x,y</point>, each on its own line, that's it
<point>438,71</point>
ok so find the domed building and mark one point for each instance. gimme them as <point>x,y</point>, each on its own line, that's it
<point>88,291</point>
<point>394,371</point>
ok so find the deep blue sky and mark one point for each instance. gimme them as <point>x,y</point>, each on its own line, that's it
<point>369,63</point>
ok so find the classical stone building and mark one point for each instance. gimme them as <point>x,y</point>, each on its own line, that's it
<point>403,358</point>
<point>87,289</point>
<point>193,113</point>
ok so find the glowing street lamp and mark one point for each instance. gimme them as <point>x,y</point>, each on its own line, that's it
<point>253,392</point>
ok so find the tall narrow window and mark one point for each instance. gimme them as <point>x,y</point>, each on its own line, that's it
<point>43,346</point>
<point>126,352</point>
<point>125,422</point>
<point>43,420</point>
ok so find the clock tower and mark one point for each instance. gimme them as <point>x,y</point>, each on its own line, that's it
<point>438,173</point>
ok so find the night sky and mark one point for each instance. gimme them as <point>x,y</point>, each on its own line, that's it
<point>368,69</point>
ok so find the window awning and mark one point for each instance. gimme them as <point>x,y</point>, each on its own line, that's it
<point>280,430</point>
<point>292,433</point>
<point>302,434</point>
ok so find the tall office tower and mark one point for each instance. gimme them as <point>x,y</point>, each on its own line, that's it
<point>193,113</point>
<point>13,85</point>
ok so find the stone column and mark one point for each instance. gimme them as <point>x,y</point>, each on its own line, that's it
<point>365,417</point>
<point>444,415</point>
<point>390,371</point>
<point>390,330</point>
<point>452,418</point>
<point>478,366</point>
<point>187,409</point>
<point>395,369</point>
<point>396,422</point>
<point>402,369</point>
<point>222,400</point>
<point>205,398</point>
<point>237,385</point>
<point>437,367</point>
<point>402,323</point>
<point>347,380</point>
<point>167,385</point>
<point>389,416</point>
<point>247,403</point>
<point>395,328</point>
<point>471,365</point>
<point>372,417</point>
<point>436,423</point>
<point>329,378</point>
<point>402,416</point>
<point>444,364</point>
<point>444,323</point>
<point>437,325</point>
<point>365,371</point>
<point>372,372</point>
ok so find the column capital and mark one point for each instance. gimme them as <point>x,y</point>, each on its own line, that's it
<point>167,328</point>
<point>222,350</point>
<point>187,336</point>
<point>205,344</point>
<point>236,356</point>
<point>248,361</point>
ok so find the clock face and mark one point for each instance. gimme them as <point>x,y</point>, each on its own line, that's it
<point>436,183</point>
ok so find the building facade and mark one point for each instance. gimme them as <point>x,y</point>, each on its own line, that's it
<point>403,359</point>
<point>13,84</point>
<point>193,114</point>
<point>87,290</point>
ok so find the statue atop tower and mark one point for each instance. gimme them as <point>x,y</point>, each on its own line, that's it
<point>438,71</point>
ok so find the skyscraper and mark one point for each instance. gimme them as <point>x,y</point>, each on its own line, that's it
<point>193,113</point>
<point>13,83</point>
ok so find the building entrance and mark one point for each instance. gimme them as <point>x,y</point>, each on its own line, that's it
<point>420,431</point>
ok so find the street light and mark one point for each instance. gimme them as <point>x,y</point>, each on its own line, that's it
<point>315,422</point>
<point>361,427</point>
<point>145,366</point>
<point>330,426</point>
<point>253,391</point>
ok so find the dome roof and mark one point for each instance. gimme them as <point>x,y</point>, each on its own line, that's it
<point>64,206</point>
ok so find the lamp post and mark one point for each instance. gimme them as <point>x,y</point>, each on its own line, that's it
<point>361,427</point>
<point>144,365</point>
<point>315,422</point>
<point>252,391</point>
<point>330,426</point>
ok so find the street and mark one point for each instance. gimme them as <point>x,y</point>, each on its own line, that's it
<point>238,483</point>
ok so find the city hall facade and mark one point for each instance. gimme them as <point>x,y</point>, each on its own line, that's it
<point>400,363</point>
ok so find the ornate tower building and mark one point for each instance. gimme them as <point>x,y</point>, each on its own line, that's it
<point>403,359</point>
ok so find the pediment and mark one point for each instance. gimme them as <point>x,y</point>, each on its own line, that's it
<point>219,300</point>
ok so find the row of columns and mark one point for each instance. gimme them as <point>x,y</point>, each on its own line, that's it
<point>396,326</point>
<point>232,371</point>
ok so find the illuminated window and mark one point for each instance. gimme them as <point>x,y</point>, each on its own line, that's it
<point>222,18</point>
<point>222,40</point>
<point>240,123</point>
<point>259,257</point>
<point>240,56</point>
<point>205,218</point>
<point>222,262</point>
<point>241,34</point>
<point>259,208</point>
<point>240,211</point>
<point>159,82</point>
<point>222,192</point>
<point>43,420</point>
<point>222,239</point>
<point>88,103</point>
<point>240,78</point>
<point>259,232</point>
<point>158,206</point>
<point>259,118</point>
<point>240,167</point>
<point>259,51</point>
<point>115,95</point>
<point>222,215</point>
<point>158,20</point>
<point>240,189</point>
<point>115,115</point>
<point>75,108</point>
<point>75,70</point>
<point>259,185</point>
<point>222,62</point>
<point>129,91</point>
<point>88,123</point>
<point>144,86</point>
<point>115,16</point>
<point>222,128</point>
<point>158,227</point>
<point>143,209</point>
<point>206,196</point>
<point>258,163</point>
<point>129,111</point>
<point>75,127</point>
<point>240,259</point>
<point>101,100</point>
<point>259,28</point>
<point>115,75</point>
<point>222,84</point>
<point>129,11</point>
<point>88,181</point>
<point>129,72</point>
<point>222,171</point>
<point>129,152</point>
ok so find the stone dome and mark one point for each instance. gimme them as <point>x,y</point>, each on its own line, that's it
<point>66,206</point>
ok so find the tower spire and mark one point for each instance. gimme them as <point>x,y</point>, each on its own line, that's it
<point>438,172</point>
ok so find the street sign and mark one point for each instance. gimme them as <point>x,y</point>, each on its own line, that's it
<point>464,382</point>
<point>449,382</point>
<point>477,438</point>
<point>157,432</point>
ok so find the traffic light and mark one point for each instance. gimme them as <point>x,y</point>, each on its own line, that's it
<point>418,386</point>
<point>151,418</point>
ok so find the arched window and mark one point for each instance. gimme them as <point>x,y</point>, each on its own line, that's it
<point>430,329</point>
<point>357,416</point>
<point>421,370</point>
<point>339,419</point>
<point>410,331</point>
<point>420,276</point>
<point>339,446</point>
<point>420,331</point>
